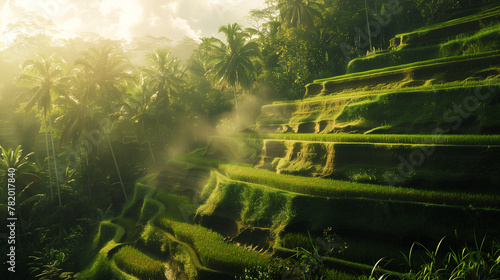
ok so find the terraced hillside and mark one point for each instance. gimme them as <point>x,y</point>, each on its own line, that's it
<point>363,166</point>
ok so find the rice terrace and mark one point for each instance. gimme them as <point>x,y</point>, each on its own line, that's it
<point>325,139</point>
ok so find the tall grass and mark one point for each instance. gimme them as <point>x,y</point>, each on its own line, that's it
<point>99,269</point>
<point>213,251</point>
<point>365,92</point>
<point>468,263</point>
<point>135,262</point>
<point>485,40</point>
<point>334,188</point>
<point>414,139</point>
<point>415,111</point>
<point>425,63</point>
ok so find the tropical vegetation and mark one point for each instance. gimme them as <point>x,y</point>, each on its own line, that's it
<point>106,142</point>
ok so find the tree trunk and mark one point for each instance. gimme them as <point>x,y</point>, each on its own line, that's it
<point>152,154</point>
<point>368,26</point>
<point>117,169</point>
<point>48,155</point>
<point>84,171</point>
<point>235,101</point>
<point>55,162</point>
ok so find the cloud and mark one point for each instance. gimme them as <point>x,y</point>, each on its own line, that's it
<point>174,19</point>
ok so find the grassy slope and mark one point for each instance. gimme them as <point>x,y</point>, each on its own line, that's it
<point>415,139</point>
<point>282,203</point>
<point>360,93</point>
<point>283,211</point>
<point>487,13</point>
<point>485,40</point>
<point>149,207</point>
<point>333,188</point>
<point>411,111</point>
<point>409,66</point>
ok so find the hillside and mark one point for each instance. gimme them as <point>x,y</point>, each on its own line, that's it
<point>403,148</point>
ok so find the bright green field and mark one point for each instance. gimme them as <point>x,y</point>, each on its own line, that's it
<point>333,188</point>
<point>414,139</point>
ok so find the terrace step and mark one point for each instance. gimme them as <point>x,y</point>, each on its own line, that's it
<point>431,166</point>
<point>424,73</point>
<point>471,108</point>
<point>125,267</point>
<point>388,218</point>
<point>484,41</point>
<point>439,32</point>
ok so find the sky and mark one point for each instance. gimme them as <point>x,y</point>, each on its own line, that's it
<point>173,19</point>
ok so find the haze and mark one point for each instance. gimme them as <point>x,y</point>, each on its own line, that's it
<point>125,19</point>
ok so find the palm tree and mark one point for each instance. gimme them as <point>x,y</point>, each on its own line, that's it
<point>44,76</point>
<point>142,113</point>
<point>299,12</point>
<point>104,71</point>
<point>76,118</point>
<point>233,63</point>
<point>165,76</point>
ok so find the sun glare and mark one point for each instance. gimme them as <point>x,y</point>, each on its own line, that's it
<point>111,18</point>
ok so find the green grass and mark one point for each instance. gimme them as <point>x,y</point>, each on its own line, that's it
<point>129,226</point>
<point>150,208</point>
<point>108,232</point>
<point>155,239</point>
<point>474,17</point>
<point>173,204</point>
<point>160,241</point>
<point>296,240</point>
<point>414,139</point>
<point>409,66</point>
<point>133,207</point>
<point>214,252</point>
<point>468,263</point>
<point>485,40</point>
<point>362,92</point>
<point>334,188</point>
<point>253,204</point>
<point>195,159</point>
<point>133,261</point>
<point>414,111</point>
<point>99,269</point>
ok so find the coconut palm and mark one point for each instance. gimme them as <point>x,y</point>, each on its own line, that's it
<point>77,117</point>
<point>145,116</point>
<point>165,76</point>
<point>299,12</point>
<point>104,71</point>
<point>44,76</point>
<point>233,63</point>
